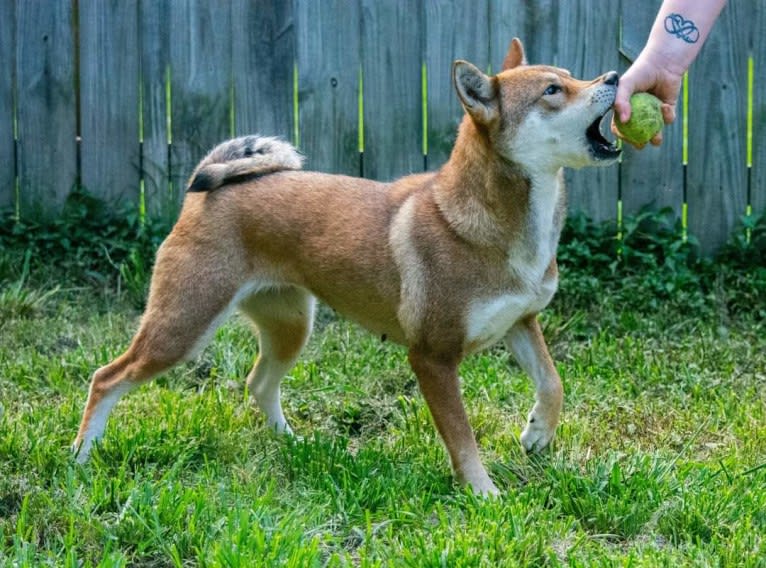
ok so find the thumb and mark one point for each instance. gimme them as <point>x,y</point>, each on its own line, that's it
<point>625,88</point>
<point>622,99</point>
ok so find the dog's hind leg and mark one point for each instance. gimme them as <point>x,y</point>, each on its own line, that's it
<point>189,297</point>
<point>283,318</point>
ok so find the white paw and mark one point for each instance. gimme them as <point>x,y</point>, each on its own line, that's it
<point>476,477</point>
<point>81,451</point>
<point>537,435</point>
<point>485,488</point>
<point>282,427</point>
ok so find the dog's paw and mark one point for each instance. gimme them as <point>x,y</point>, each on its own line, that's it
<point>281,428</point>
<point>478,480</point>
<point>484,487</point>
<point>80,451</point>
<point>537,435</point>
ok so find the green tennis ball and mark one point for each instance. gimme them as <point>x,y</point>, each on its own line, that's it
<point>645,119</point>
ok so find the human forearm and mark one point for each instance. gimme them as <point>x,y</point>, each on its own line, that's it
<point>680,30</point>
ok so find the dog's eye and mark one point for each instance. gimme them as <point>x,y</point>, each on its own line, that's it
<point>552,90</point>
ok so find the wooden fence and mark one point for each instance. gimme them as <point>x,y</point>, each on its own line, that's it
<point>124,96</point>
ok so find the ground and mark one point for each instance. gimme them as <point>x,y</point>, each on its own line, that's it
<point>659,459</point>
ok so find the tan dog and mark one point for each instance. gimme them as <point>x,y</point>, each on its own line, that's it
<point>446,263</point>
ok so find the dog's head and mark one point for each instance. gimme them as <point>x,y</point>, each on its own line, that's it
<point>537,116</point>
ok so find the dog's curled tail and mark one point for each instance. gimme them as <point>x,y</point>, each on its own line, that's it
<point>243,158</point>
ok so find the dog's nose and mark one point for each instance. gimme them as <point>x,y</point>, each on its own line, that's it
<point>611,78</point>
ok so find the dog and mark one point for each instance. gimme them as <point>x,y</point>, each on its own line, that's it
<point>445,263</point>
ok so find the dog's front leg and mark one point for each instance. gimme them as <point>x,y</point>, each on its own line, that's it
<point>526,342</point>
<point>440,386</point>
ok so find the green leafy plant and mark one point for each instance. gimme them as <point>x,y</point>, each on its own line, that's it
<point>742,268</point>
<point>135,272</point>
<point>87,244</point>
<point>17,300</point>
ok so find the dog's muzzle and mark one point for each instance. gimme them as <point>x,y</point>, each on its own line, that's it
<point>603,99</point>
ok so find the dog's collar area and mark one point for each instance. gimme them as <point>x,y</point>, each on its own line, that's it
<point>600,147</point>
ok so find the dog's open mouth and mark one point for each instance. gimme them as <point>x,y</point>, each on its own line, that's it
<point>600,147</point>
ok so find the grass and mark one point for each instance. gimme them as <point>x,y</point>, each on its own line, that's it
<point>660,459</point>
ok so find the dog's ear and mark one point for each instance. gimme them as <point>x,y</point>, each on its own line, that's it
<point>476,91</point>
<point>515,55</point>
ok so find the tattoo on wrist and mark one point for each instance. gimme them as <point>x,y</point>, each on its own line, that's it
<point>678,26</point>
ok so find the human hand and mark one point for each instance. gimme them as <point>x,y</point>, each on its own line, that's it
<point>652,73</point>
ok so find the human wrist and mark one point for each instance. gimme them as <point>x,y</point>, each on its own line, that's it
<point>667,61</point>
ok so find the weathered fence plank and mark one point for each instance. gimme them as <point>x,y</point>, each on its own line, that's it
<point>758,52</point>
<point>652,176</point>
<point>587,45</point>
<point>200,69</point>
<point>154,48</point>
<point>328,59</point>
<point>391,70</point>
<point>454,30</point>
<point>208,71</point>
<point>7,143</point>
<point>541,20</point>
<point>717,183</point>
<point>507,20</point>
<point>263,54</point>
<point>109,99</point>
<point>47,113</point>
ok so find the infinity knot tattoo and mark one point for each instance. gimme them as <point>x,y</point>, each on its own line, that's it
<point>677,25</point>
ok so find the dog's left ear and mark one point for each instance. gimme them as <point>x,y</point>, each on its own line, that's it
<point>515,55</point>
<point>476,91</point>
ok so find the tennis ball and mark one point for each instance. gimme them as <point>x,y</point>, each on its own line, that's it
<point>645,119</point>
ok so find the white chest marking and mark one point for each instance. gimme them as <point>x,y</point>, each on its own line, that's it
<point>489,320</point>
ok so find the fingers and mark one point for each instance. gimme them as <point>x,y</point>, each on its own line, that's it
<point>668,116</point>
<point>668,113</point>
<point>625,88</point>
<point>622,104</point>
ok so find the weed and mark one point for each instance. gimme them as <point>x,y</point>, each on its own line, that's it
<point>87,244</point>
<point>19,301</point>
<point>135,272</point>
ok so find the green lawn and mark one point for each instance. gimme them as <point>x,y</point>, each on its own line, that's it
<point>660,459</point>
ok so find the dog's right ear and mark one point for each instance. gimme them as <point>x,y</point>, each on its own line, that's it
<point>477,92</point>
<point>515,55</point>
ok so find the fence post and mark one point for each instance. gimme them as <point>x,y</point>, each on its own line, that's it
<point>200,69</point>
<point>454,30</point>
<point>7,142</point>
<point>47,109</point>
<point>587,45</point>
<point>717,181</point>
<point>109,100</point>
<point>758,52</point>
<point>651,175</point>
<point>392,58</point>
<point>328,59</point>
<point>154,49</point>
<point>263,58</point>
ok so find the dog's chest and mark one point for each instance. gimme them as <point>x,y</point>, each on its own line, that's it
<point>489,319</point>
<point>530,288</point>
